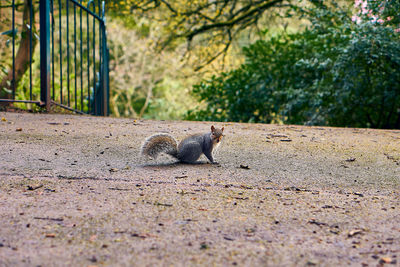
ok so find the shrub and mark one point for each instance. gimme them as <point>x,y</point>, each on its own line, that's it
<point>335,72</point>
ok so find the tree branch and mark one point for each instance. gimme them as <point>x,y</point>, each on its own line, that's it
<point>189,35</point>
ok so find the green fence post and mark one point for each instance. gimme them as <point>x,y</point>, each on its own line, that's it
<point>44,7</point>
<point>104,77</point>
<point>105,87</point>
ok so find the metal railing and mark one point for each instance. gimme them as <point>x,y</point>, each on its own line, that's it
<point>73,71</point>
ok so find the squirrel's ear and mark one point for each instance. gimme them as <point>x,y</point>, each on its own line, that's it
<point>222,129</point>
<point>212,128</point>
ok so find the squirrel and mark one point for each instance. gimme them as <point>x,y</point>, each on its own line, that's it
<point>189,150</point>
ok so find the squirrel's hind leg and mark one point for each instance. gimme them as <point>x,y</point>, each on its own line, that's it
<point>190,152</point>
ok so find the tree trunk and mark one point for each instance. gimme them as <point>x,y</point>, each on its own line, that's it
<point>22,58</point>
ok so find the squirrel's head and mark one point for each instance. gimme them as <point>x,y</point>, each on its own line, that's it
<point>216,134</point>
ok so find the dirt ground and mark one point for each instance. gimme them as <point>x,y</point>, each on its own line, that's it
<point>75,192</point>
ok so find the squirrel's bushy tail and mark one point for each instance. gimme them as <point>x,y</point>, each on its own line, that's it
<point>158,143</point>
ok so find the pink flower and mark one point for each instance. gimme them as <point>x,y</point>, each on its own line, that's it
<point>362,6</point>
<point>397,30</point>
<point>357,3</point>
<point>356,19</point>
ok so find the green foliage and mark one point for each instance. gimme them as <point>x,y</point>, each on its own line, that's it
<point>335,72</point>
<point>367,80</point>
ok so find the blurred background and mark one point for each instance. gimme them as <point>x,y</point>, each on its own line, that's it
<point>333,63</point>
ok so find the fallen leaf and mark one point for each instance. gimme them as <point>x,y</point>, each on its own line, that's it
<point>313,221</point>
<point>204,246</point>
<point>163,204</point>
<point>119,189</point>
<point>278,135</point>
<point>311,263</point>
<point>3,119</point>
<point>93,259</point>
<point>51,235</point>
<point>34,187</point>
<point>246,187</point>
<point>355,232</point>
<point>143,236</point>
<point>387,260</point>
<point>18,129</point>
<point>48,218</point>
<point>334,231</point>
<point>181,177</point>
<point>241,198</point>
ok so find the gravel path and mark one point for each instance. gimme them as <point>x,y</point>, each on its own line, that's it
<point>75,192</point>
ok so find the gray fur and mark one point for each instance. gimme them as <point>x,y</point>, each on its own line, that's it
<point>191,148</point>
<point>158,143</point>
<point>188,151</point>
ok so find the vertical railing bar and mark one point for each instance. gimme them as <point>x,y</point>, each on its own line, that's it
<point>30,48</point>
<point>105,85</point>
<point>81,57</point>
<point>45,53</point>
<point>13,49</point>
<point>94,59</point>
<point>52,47</point>
<point>68,82</point>
<point>88,60</point>
<point>76,98</point>
<point>105,69</point>
<point>100,50</point>
<point>97,90</point>
<point>107,73</point>
<point>60,43</point>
